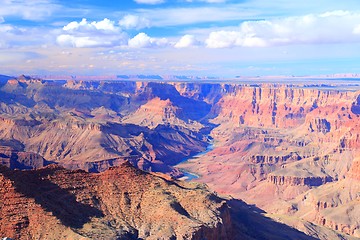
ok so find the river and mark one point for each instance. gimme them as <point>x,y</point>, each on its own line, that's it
<point>188,176</point>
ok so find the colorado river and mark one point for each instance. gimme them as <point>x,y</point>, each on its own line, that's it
<point>188,176</point>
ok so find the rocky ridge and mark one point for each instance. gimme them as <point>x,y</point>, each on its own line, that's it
<point>82,124</point>
<point>274,144</point>
<point>55,203</point>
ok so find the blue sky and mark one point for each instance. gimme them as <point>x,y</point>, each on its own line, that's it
<point>180,37</point>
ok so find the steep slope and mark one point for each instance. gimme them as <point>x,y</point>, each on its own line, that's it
<point>79,143</point>
<point>334,205</point>
<point>276,143</point>
<point>55,203</point>
<point>289,149</point>
<point>15,159</point>
<point>95,125</point>
<point>160,112</point>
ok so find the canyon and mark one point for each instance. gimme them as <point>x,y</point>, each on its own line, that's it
<point>123,203</point>
<point>290,149</point>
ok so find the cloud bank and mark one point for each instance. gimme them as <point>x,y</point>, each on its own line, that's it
<point>329,27</point>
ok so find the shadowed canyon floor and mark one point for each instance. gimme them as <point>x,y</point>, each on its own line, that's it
<point>292,150</point>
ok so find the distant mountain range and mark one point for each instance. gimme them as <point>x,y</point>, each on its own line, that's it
<point>125,77</point>
<point>143,77</point>
<point>323,76</point>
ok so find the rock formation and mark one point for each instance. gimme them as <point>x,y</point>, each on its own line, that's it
<point>290,149</point>
<point>276,143</point>
<point>94,127</point>
<point>121,203</point>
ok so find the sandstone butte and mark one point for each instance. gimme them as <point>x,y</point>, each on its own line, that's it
<point>290,149</point>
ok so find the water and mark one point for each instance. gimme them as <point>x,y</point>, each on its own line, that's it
<point>188,176</point>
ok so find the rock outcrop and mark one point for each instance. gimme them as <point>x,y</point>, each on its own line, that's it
<point>273,144</point>
<point>298,181</point>
<point>20,160</point>
<point>122,203</point>
<point>276,142</point>
<point>320,125</point>
<point>94,125</point>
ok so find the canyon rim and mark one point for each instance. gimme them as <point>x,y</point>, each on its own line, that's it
<point>93,156</point>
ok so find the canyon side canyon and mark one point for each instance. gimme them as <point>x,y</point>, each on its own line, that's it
<point>104,159</point>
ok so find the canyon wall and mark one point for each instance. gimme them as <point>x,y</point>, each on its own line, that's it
<point>122,203</point>
<point>275,145</point>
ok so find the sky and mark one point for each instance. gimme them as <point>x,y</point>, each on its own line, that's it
<point>223,38</point>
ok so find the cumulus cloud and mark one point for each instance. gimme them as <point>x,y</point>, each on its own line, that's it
<point>92,34</point>
<point>84,25</point>
<point>105,33</point>
<point>134,22</point>
<point>149,1</point>
<point>329,27</point>
<point>224,39</point>
<point>187,41</point>
<point>142,40</point>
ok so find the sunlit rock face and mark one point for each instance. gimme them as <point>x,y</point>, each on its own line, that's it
<point>123,203</point>
<point>289,149</point>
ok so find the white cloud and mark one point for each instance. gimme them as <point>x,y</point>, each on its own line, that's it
<point>338,13</point>
<point>187,41</point>
<point>240,11</point>
<point>134,22</point>
<point>5,28</point>
<point>142,40</point>
<point>29,10</point>
<point>225,39</point>
<point>67,40</point>
<point>222,39</point>
<point>149,1</point>
<point>92,34</point>
<point>329,27</point>
<point>80,42</point>
<point>84,25</point>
